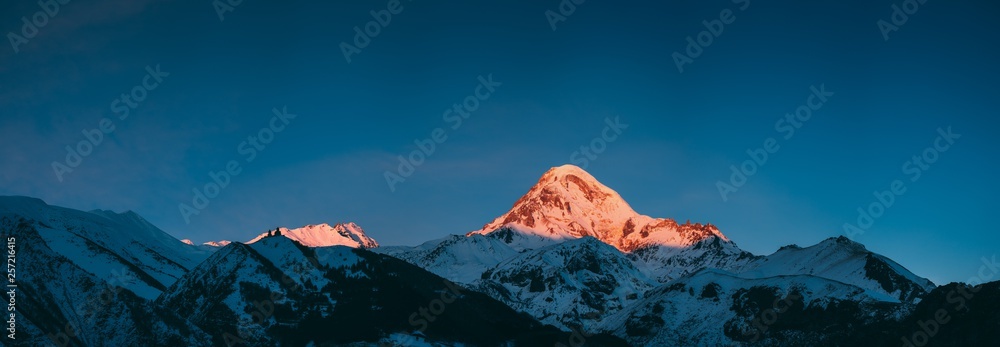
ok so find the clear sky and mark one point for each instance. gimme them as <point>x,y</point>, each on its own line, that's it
<point>219,81</point>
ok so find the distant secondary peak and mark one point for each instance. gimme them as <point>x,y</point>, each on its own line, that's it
<point>324,235</point>
<point>222,243</point>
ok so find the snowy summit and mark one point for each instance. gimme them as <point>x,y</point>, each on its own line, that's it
<point>569,203</point>
<point>323,235</point>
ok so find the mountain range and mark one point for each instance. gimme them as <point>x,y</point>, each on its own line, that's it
<point>571,264</point>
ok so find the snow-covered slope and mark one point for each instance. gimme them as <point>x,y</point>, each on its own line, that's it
<point>716,308</point>
<point>568,203</point>
<point>574,284</point>
<point>570,253</point>
<point>458,258</point>
<point>666,263</point>
<point>217,244</point>
<point>279,292</point>
<point>109,245</point>
<point>214,294</point>
<point>67,302</point>
<point>324,235</point>
<point>842,260</point>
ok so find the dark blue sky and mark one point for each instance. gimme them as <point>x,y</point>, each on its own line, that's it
<point>607,59</point>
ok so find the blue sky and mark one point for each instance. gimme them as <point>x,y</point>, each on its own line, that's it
<point>606,60</point>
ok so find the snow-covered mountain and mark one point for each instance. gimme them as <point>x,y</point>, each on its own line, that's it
<point>529,257</point>
<point>84,278</point>
<point>716,308</point>
<point>214,294</point>
<point>842,260</point>
<point>570,261</point>
<point>574,284</point>
<point>664,263</point>
<point>317,235</point>
<point>108,245</point>
<point>217,244</point>
<point>458,258</point>
<point>324,235</point>
<point>569,203</point>
<point>278,292</point>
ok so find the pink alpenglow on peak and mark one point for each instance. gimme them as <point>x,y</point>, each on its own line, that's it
<point>188,242</point>
<point>222,243</point>
<point>324,235</point>
<point>568,203</point>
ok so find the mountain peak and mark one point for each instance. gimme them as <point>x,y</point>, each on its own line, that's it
<point>20,199</point>
<point>218,244</point>
<point>323,235</point>
<point>566,170</point>
<point>844,242</point>
<point>27,207</point>
<point>568,202</point>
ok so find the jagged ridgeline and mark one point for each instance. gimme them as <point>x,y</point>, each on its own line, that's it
<point>569,264</point>
<point>274,291</point>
